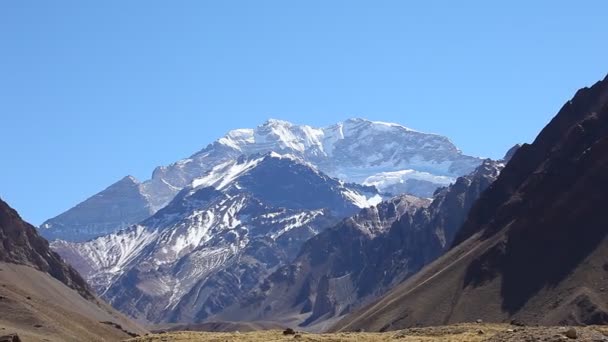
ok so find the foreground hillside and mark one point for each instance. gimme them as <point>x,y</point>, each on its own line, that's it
<point>456,333</point>
<point>44,299</point>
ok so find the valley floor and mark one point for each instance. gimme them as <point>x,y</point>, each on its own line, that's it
<point>454,333</point>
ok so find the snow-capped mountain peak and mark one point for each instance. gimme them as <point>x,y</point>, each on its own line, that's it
<point>355,150</point>
<point>279,135</point>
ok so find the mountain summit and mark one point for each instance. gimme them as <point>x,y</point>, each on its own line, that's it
<point>391,157</point>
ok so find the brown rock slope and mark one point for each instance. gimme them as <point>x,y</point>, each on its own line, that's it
<point>534,246</point>
<point>42,298</point>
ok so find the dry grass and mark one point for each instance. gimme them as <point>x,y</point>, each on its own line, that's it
<point>454,333</point>
<point>450,333</point>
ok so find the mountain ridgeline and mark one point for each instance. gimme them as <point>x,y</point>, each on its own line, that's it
<point>393,158</point>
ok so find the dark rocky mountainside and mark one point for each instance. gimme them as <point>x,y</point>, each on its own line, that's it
<point>534,247</point>
<point>363,256</point>
<point>41,297</point>
<point>21,244</point>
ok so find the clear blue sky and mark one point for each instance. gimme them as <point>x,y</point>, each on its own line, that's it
<point>93,91</point>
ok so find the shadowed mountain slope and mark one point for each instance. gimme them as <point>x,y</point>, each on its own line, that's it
<point>533,247</point>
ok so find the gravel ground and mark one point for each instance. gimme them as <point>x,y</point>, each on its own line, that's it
<point>471,332</point>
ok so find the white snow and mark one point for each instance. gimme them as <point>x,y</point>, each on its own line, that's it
<point>312,137</point>
<point>280,135</point>
<point>116,250</point>
<point>361,200</point>
<point>222,175</point>
<point>195,233</point>
<point>107,257</point>
<point>381,124</point>
<point>331,135</point>
<point>238,138</point>
<point>295,221</point>
<point>383,180</point>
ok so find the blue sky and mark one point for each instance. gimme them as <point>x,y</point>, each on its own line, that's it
<point>92,91</point>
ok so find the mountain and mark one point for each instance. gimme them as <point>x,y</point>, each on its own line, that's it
<point>42,297</point>
<point>216,239</point>
<point>533,248</point>
<point>115,208</point>
<point>391,157</point>
<point>362,257</point>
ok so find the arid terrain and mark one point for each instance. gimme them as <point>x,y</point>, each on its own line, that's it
<point>471,332</point>
<point>44,299</point>
<point>37,307</point>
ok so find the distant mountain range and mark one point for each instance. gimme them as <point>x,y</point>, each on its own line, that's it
<point>391,157</point>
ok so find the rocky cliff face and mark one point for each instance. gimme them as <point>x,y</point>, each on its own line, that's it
<point>533,248</point>
<point>391,157</point>
<point>363,256</point>
<point>217,239</point>
<point>21,244</point>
